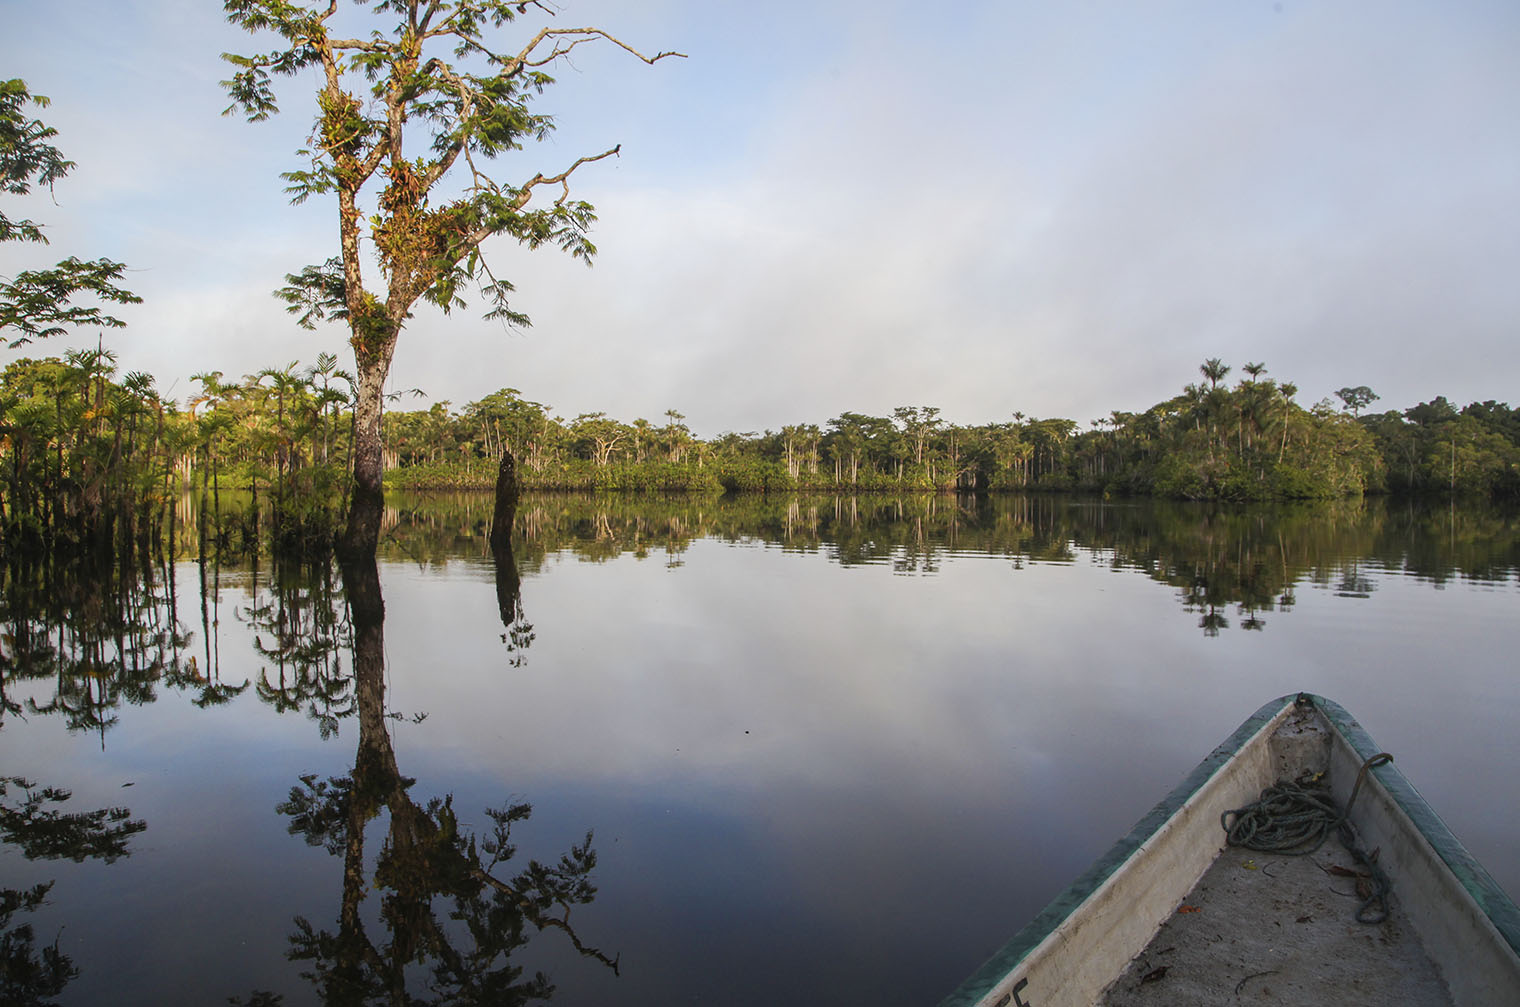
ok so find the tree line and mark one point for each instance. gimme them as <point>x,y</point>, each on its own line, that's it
<point>1249,441</point>
<point>91,455</point>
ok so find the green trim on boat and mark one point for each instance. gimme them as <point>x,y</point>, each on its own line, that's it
<point>1485,891</point>
<point>1501,910</point>
<point>1012,954</point>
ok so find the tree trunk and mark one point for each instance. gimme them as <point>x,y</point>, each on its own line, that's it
<point>374,774</point>
<point>508,584</point>
<point>362,536</point>
<point>505,509</point>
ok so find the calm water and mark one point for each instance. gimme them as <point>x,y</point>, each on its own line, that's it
<point>829,751</point>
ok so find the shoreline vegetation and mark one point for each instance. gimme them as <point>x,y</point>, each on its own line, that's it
<point>89,457</point>
<point>94,461</point>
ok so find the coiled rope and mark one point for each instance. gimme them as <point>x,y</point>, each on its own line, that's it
<point>1294,819</point>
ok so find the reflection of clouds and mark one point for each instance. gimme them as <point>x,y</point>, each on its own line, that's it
<point>900,730</point>
<point>965,684</point>
<point>1056,687</point>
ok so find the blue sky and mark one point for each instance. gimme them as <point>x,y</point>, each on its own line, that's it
<point>1056,209</point>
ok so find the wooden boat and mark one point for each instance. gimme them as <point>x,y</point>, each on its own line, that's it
<point>1175,915</point>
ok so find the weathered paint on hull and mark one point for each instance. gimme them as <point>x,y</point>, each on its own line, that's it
<point>1087,936</point>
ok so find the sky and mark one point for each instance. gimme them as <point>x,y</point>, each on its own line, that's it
<point>1057,209</point>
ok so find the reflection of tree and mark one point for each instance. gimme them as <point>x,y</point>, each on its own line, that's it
<point>43,833</point>
<point>446,905</point>
<point>30,974</point>
<point>300,629</point>
<point>207,682</point>
<point>519,631</point>
<point>1353,583</point>
<point>104,633</point>
<point>187,674</point>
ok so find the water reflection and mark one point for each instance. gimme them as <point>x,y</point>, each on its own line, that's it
<point>450,916</point>
<point>101,635</point>
<point>80,642</point>
<point>101,641</point>
<point>1228,567</point>
<point>785,761</point>
<point>518,631</point>
<point>301,631</point>
<point>32,822</point>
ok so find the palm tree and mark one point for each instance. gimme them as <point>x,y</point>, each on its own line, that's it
<point>320,376</point>
<point>1215,370</point>
<point>213,425</point>
<point>1288,390</point>
<point>286,384</point>
<point>643,431</point>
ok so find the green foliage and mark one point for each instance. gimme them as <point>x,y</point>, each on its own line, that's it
<point>26,156</point>
<point>1180,478</point>
<point>86,458</point>
<point>1250,442</point>
<point>1433,448</point>
<point>37,303</point>
<point>89,458</point>
<point>404,128</point>
<point>1214,442</point>
<point>1358,398</point>
<point>85,453</point>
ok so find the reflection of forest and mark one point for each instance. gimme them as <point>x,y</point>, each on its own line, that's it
<point>32,820</point>
<point>436,897</point>
<point>1215,555</point>
<point>81,642</point>
<point>1218,558</point>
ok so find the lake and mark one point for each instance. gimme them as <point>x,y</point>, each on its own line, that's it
<point>828,750</point>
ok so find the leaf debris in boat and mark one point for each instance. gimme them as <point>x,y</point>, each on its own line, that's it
<point>1254,975</point>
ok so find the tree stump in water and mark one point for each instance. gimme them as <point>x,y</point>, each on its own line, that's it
<point>506,503</point>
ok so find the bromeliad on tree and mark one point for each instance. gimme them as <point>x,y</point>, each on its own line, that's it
<point>467,111</point>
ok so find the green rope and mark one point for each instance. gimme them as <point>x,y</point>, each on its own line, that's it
<point>1295,819</point>
<point>1289,818</point>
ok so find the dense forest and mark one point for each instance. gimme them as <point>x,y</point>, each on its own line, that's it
<point>87,453</point>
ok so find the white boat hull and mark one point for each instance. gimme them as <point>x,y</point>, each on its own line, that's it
<point>1080,944</point>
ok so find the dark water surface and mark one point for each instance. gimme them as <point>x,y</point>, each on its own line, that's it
<point>830,751</point>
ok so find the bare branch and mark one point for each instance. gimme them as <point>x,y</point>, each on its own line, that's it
<point>525,57</point>
<point>526,192</point>
<point>360,44</point>
<point>466,109</point>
